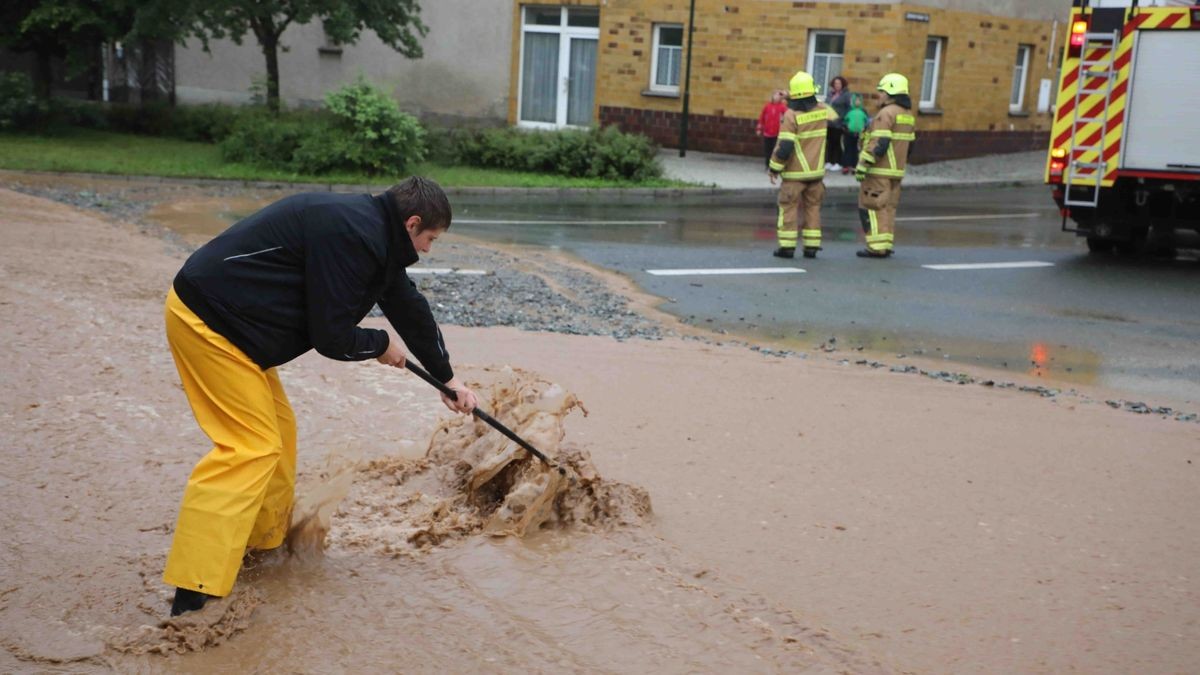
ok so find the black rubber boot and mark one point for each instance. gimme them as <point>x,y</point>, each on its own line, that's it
<point>187,601</point>
<point>811,251</point>
<point>868,253</point>
<point>782,252</point>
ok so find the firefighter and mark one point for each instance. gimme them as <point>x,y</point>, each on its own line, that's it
<point>799,159</point>
<point>881,163</point>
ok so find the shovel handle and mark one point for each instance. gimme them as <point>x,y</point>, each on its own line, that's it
<point>453,395</point>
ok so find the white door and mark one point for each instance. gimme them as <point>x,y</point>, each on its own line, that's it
<point>558,66</point>
<point>1161,131</point>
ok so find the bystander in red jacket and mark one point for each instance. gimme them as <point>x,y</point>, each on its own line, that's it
<point>768,122</point>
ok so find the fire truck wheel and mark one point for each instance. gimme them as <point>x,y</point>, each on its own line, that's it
<point>1135,245</point>
<point>1099,245</point>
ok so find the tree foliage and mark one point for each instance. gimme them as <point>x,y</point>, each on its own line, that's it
<point>73,30</point>
<point>396,22</point>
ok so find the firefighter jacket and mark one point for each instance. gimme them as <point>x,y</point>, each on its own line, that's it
<point>800,152</point>
<point>886,142</point>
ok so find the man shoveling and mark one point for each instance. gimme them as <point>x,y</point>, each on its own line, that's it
<point>298,275</point>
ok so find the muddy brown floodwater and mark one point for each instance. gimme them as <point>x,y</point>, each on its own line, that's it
<point>723,510</point>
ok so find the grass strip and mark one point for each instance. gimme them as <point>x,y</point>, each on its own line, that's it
<point>105,152</point>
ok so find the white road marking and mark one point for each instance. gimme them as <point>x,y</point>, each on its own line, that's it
<point>444,270</point>
<point>474,221</point>
<point>725,271</point>
<point>989,216</point>
<point>990,266</point>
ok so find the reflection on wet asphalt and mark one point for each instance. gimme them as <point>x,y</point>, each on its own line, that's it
<point>1125,323</point>
<point>1117,322</point>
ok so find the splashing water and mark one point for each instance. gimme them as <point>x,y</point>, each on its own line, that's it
<point>473,479</point>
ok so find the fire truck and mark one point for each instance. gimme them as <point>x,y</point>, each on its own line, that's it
<point>1124,156</point>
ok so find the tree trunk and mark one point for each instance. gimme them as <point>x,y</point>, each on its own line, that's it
<point>43,75</point>
<point>270,48</point>
<point>94,75</point>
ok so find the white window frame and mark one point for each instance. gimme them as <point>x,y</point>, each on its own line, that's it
<point>812,56</point>
<point>931,102</point>
<point>1023,69</point>
<point>654,85</point>
<point>565,33</point>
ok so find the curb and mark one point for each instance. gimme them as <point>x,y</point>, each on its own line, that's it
<point>590,196</point>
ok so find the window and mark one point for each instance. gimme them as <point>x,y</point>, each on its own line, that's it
<point>584,17</point>
<point>825,49</point>
<point>543,16</point>
<point>557,85</point>
<point>664,60</point>
<point>1016,100</point>
<point>933,69</point>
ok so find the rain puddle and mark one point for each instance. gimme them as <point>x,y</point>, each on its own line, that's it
<point>199,219</point>
<point>1054,363</point>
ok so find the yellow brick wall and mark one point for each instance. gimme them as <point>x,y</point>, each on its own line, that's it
<point>743,49</point>
<point>977,67</point>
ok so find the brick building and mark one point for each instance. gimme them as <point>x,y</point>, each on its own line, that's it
<point>982,70</point>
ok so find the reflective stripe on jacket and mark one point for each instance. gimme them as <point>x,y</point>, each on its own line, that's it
<point>886,142</point>
<point>807,131</point>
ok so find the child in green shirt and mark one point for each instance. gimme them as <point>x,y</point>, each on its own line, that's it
<point>854,122</point>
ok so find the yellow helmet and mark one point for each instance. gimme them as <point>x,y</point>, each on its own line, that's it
<point>893,84</point>
<point>801,86</point>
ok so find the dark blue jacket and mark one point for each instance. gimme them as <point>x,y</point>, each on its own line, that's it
<point>303,272</point>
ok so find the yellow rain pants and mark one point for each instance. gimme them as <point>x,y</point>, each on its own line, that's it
<point>239,495</point>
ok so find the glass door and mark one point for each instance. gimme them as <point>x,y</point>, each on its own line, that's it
<point>558,66</point>
<point>581,81</point>
<point>539,78</point>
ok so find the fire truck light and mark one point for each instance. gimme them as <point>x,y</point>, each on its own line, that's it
<point>1058,153</point>
<point>1196,17</point>
<point>1078,29</point>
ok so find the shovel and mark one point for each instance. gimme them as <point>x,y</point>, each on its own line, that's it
<point>420,372</point>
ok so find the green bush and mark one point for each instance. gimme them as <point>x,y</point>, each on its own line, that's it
<point>266,140</point>
<point>73,112</point>
<point>207,123</point>
<point>147,119</point>
<point>595,153</point>
<point>368,133</point>
<point>363,130</point>
<point>621,155</point>
<point>19,107</point>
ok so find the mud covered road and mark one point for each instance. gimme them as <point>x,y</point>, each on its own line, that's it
<point>805,516</point>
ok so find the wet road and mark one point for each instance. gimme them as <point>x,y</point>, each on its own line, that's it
<point>1061,314</point>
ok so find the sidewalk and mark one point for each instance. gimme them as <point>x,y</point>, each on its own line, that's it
<point>738,172</point>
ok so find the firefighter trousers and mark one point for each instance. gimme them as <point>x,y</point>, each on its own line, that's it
<point>877,201</point>
<point>239,495</point>
<point>800,213</point>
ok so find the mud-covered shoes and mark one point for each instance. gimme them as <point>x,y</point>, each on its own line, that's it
<point>187,601</point>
